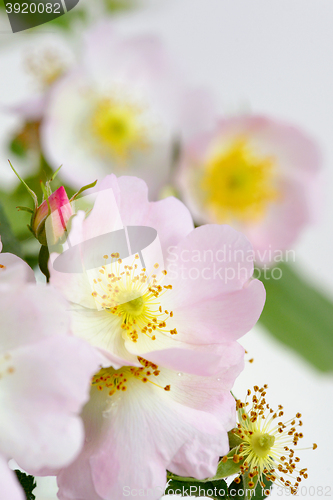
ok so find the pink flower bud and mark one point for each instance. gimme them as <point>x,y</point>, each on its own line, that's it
<point>61,211</point>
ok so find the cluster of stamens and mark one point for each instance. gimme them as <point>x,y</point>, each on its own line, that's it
<point>266,443</point>
<point>134,297</point>
<point>46,66</point>
<point>238,182</point>
<point>117,380</point>
<point>119,128</point>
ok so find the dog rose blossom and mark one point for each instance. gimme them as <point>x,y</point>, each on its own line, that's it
<point>184,312</point>
<point>44,376</point>
<point>142,420</point>
<point>257,174</point>
<point>120,110</point>
<point>267,447</point>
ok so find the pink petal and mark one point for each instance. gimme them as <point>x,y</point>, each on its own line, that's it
<point>283,224</point>
<point>157,435</point>
<point>10,487</point>
<point>15,270</point>
<point>48,384</point>
<point>222,318</point>
<point>210,261</point>
<point>41,309</point>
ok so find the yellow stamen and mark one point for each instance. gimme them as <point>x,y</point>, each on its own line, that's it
<point>238,183</point>
<point>266,446</point>
<point>119,129</point>
<point>135,298</point>
<point>117,380</point>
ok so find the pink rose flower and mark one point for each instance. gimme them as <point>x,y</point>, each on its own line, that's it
<point>143,420</point>
<point>44,376</point>
<point>182,314</point>
<point>257,174</point>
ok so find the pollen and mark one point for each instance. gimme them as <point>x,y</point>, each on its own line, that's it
<point>135,297</point>
<point>238,183</point>
<point>114,381</point>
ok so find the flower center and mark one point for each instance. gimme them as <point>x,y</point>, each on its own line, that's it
<point>134,307</point>
<point>261,443</point>
<point>118,380</point>
<point>119,128</point>
<point>238,183</point>
<point>266,446</point>
<point>46,66</point>
<point>134,297</point>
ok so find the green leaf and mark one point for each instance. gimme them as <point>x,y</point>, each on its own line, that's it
<point>28,483</point>
<point>299,316</point>
<point>10,243</point>
<point>217,490</point>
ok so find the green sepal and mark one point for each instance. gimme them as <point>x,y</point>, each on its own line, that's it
<point>234,440</point>
<point>236,491</point>
<point>84,188</point>
<point>54,175</point>
<point>249,490</point>
<point>43,260</point>
<point>25,209</point>
<point>228,468</point>
<point>30,191</point>
<point>28,484</point>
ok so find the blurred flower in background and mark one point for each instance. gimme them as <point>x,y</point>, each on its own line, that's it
<point>257,174</point>
<point>120,105</point>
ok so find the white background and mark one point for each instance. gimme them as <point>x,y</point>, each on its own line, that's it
<point>274,57</point>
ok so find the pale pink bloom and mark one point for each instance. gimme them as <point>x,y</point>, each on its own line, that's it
<point>163,420</point>
<point>120,110</point>
<point>257,174</point>
<point>44,376</point>
<point>41,65</point>
<point>198,309</point>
